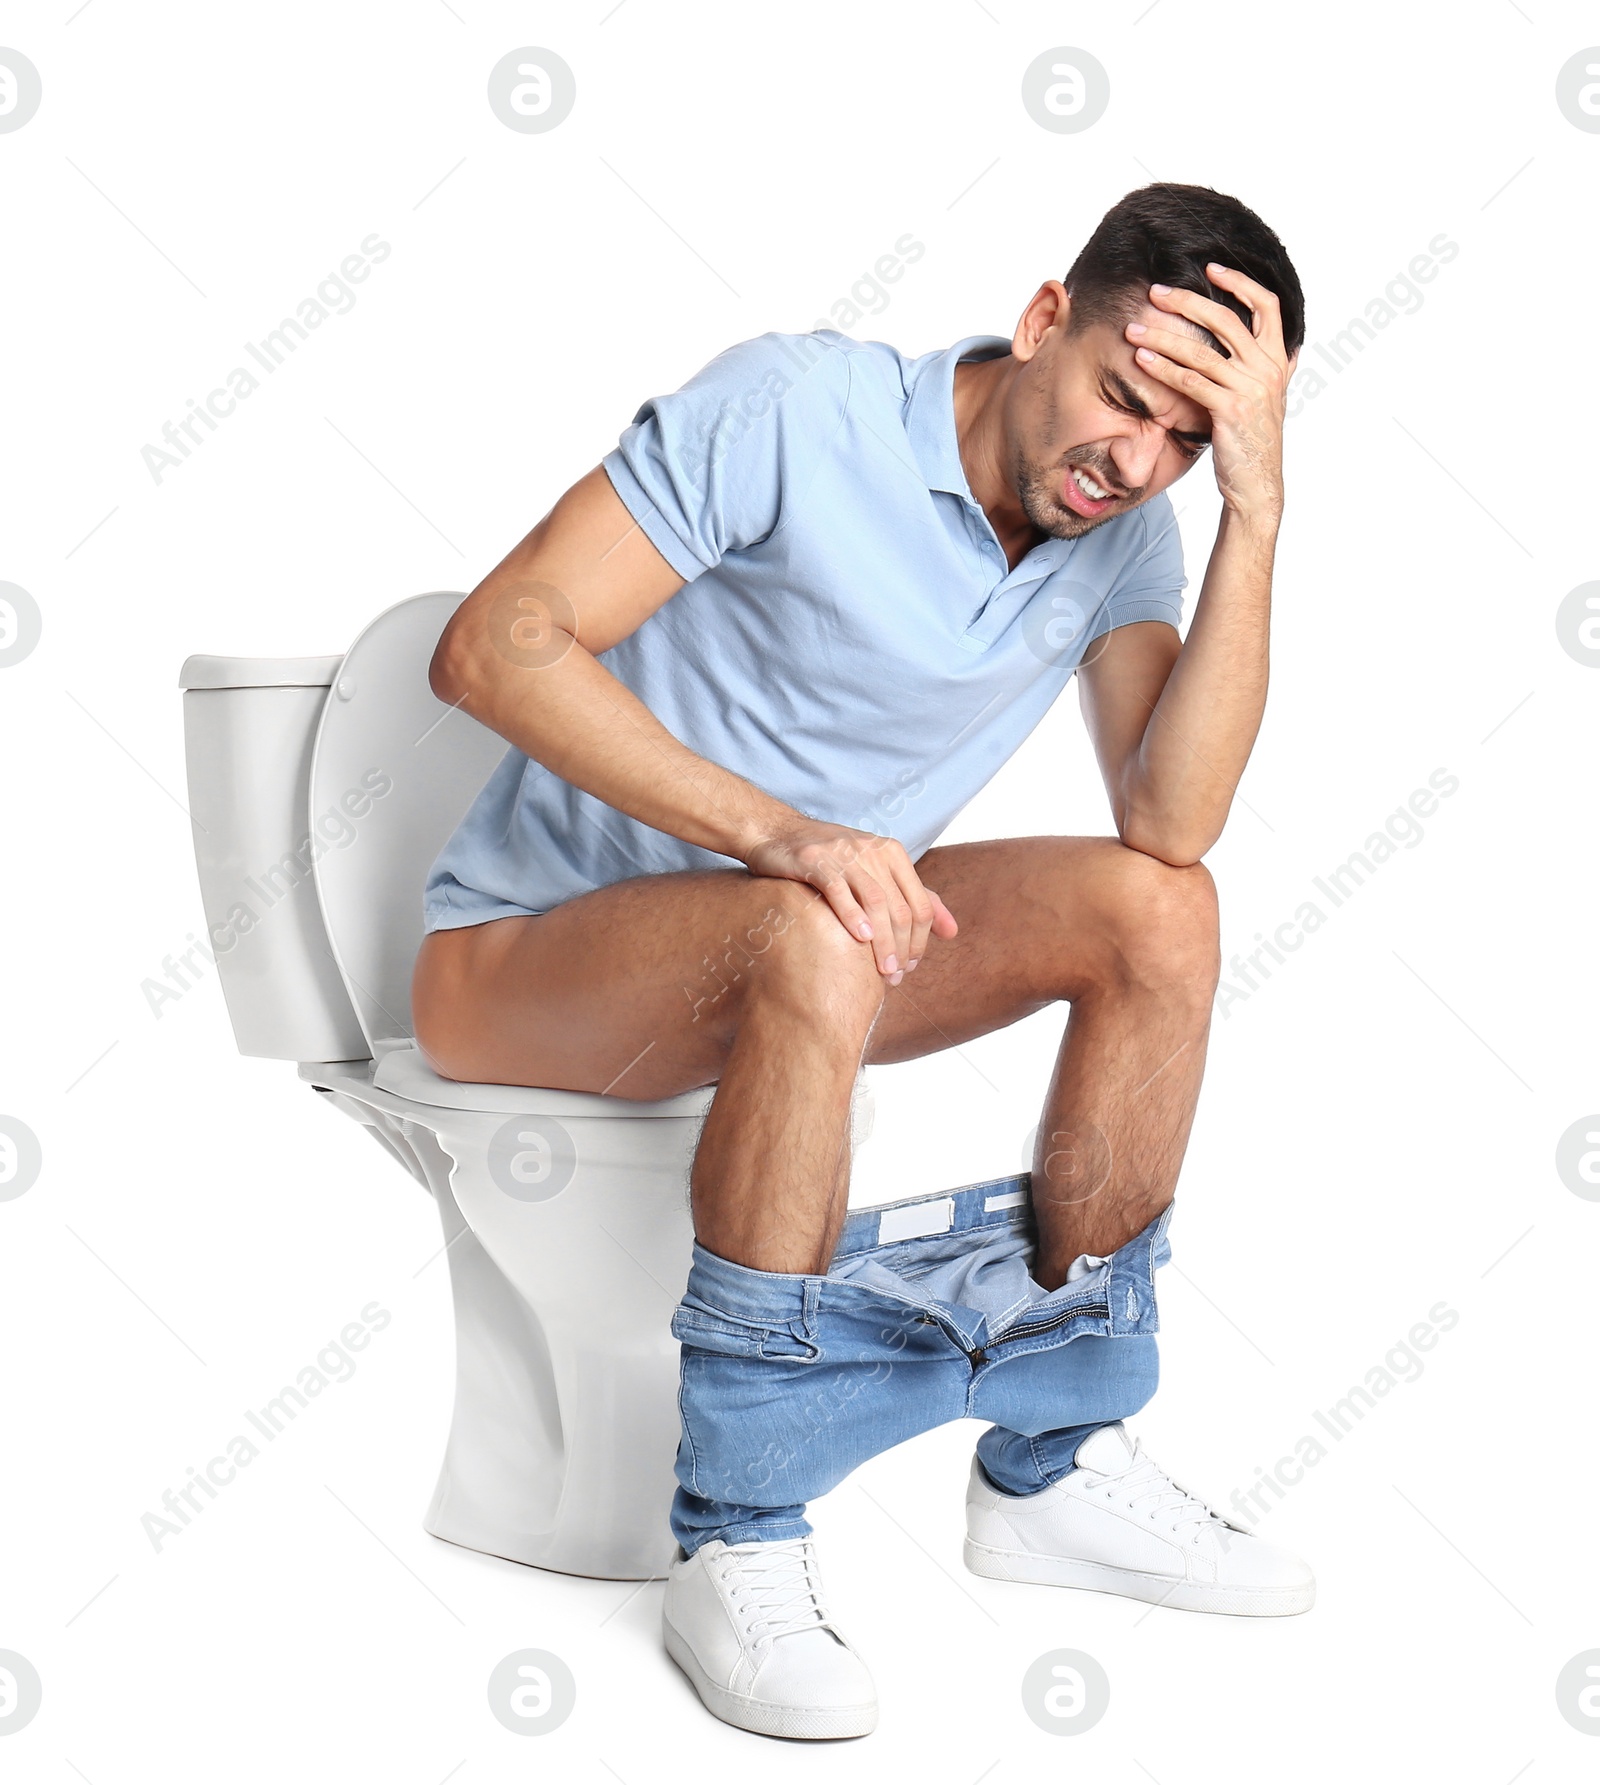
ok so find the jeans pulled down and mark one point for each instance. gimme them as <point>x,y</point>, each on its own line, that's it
<point>927,1313</point>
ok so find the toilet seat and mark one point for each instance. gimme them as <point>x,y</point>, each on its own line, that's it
<point>392,771</point>
<point>403,1073</point>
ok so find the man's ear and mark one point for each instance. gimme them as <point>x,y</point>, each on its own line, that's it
<point>1049,305</point>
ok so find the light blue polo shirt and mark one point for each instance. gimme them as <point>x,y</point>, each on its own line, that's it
<point>849,637</point>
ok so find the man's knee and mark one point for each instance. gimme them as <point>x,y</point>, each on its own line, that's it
<point>1164,929</point>
<point>811,965</point>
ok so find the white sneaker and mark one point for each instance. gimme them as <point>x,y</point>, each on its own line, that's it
<point>1119,1524</point>
<point>747,1624</point>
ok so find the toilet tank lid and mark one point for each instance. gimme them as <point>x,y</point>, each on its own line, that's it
<point>258,672</point>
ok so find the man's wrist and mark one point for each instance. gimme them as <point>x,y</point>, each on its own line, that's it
<point>1258,524</point>
<point>754,826</point>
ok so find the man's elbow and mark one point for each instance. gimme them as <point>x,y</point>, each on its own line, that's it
<point>1175,847</point>
<point>448,672</point>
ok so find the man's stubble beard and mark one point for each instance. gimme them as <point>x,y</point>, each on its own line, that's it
<point>1039,492</point>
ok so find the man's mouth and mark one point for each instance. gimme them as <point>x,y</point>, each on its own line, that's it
<point>1084,494</point>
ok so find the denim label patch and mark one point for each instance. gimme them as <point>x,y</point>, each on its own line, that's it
<point>916,1221</point>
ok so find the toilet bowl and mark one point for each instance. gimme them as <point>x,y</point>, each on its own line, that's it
<point>321,790</point>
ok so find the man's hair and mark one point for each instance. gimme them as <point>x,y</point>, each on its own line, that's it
<point>1164,235</point>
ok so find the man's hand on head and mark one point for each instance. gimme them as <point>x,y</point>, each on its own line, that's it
<point>1245,393</point>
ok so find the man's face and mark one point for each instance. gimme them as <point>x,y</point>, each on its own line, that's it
<point>1084,409</point>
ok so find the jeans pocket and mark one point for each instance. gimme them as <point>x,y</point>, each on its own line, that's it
<point>728,1336</point>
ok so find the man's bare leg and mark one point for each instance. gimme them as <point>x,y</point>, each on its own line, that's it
<point>1132,944</point>
<point>657,985</point>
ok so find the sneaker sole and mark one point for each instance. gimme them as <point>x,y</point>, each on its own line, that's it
<point>1100,1577</point>
<point>800,1723</point>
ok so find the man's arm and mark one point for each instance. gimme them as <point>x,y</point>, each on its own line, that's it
<point>519,656</point>
<point>1173,725</point>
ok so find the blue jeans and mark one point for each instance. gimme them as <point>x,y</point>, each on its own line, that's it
<point>928,1313</point>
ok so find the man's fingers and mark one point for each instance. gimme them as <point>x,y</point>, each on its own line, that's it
<point>872,898</point>
<point>877,886</point>
<point>1207,313</point>
<point>1185,350</point>
<point>1255,344</point>
<point>867,913</point>
<point>944,923</point>
<point>1265,306</point>
<point>1205,391</point>
<point>874,891</point>
<point>898,911</point>
<point>842,902</point>
<point>917,947</point>
<point>920,904</point>
<point>1268,326</point>
<point>904,930</point>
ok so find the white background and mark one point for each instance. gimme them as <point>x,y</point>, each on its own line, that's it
<point>1379,1125</point>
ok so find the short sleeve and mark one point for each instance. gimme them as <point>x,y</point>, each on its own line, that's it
<point>1151,585</point>
<point>719,465</point>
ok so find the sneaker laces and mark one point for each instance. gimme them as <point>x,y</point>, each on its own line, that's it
<point>776,1587</point>
<point>1144,1480</point>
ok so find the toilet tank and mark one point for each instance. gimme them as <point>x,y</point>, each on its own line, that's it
<point>249,725</point>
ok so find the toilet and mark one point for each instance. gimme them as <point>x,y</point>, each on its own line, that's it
<point>321,790</point>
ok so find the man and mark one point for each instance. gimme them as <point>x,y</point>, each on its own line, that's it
<point>752,665</point>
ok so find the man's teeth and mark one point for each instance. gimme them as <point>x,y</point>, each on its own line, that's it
<point>1089,487</point>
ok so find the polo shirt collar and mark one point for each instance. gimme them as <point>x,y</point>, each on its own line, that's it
<point>931,430</point>
<point>931,414</point>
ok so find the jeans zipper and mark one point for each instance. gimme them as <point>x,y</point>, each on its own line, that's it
<point>1026,1330</point>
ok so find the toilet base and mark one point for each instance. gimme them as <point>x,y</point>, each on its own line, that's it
<point>588,1497</point>
<point>565,1426</point>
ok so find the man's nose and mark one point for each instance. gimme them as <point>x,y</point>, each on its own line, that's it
<point>1136,456</point>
